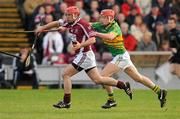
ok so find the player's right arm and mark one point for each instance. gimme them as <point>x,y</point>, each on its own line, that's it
<point>47,26</point>
<point>50,25</point>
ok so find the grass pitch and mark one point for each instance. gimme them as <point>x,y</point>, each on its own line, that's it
<point>37,104</point>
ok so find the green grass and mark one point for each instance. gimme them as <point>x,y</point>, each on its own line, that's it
<point>37,104</point>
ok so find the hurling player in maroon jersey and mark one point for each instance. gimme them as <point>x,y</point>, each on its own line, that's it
<point>82,36</point>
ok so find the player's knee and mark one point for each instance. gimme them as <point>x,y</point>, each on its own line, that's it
<point>97,81</point>
<point>65,75</point>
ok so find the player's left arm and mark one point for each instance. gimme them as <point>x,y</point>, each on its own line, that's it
<point>88,42</point>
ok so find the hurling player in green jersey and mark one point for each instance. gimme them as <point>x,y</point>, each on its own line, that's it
<point>109,31</point>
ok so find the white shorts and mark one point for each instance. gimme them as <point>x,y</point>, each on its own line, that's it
<point>85,60</point>
<point>122,60</point>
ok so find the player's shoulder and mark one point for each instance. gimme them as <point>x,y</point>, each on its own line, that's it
<point>114,23</point>
<point>83,22</point>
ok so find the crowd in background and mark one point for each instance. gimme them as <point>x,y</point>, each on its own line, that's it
<point>143,24</point>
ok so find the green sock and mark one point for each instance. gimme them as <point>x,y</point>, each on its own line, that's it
<point>156,89</point>
<point>110,96</point>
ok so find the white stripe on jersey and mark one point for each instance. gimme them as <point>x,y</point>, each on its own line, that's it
<point>83,29</point>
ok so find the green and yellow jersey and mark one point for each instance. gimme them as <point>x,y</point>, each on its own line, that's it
<point>116,45</point>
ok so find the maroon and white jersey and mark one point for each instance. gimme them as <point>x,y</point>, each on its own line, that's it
<point>79,31</point>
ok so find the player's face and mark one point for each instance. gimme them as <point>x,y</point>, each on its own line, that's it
<point>69,18</point>
<point>104,20</point>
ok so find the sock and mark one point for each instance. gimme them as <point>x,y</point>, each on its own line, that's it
<point>67,98</point>
<point>156,89</point>
<point>120,85</point>
<point>110,96</point>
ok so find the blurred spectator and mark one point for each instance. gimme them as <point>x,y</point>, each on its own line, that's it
<point>130,8</point>
<point>164,46</point>
<point>175,45</point>
<point>94,7</point>
<point>145,6</point>
<point>164,9</point>
<point>71,2</point>
<point>116,9</point>
<point>49,10</point>
<point>153,17</point>
<point>177,18</point>
<point>136,28</point>
<point>95,16</point>
<point>119,2</point>
<point>106,4</point>
<point>87,18</point>
<point>63,7</point>
<point>48,18</point>
<point>80,5</point>
<point>25,75</point>
<point>29,8</point>
<point>120,18</point>
<point>31,5</point>
<point>3,83</point>
<point>131,17</point>
<point>130,42</point>
<point>144,28</point>
<point>56,5</point>
<point>39,16</point>
<point>2,73</point>
<point>146,44</point>
<point>2,70</point>
<point>44,4</point>
<point>60,13</point>
<point>175,7</point>
<point>52,43</point>
<point>160,34</point>
<point>48,2</point>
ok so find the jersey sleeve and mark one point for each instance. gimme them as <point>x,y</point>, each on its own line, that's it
<point>95,25</point>
<point>62,23</point>
<point>88,30</point>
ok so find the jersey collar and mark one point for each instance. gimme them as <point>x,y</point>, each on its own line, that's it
<point>110,24</point>
<point>75,21</point>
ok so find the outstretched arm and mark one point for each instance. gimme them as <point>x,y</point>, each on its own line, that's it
<point>47,26</point>
<point>51,25</point>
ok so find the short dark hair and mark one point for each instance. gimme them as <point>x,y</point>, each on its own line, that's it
<point>172,18</point>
